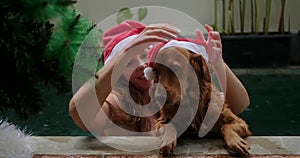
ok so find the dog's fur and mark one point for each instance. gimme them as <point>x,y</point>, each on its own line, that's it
<point>232,128</point>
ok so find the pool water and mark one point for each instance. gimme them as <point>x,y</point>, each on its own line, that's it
<point>275,104</point>
<point>274,109</point>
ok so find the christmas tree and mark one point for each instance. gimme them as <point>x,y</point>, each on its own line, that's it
<point>39,40</point>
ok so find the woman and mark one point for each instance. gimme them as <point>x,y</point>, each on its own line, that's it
<point>118,43</point>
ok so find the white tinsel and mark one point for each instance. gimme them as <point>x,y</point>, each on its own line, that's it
<point>14,143</point>
<point>149,74</point>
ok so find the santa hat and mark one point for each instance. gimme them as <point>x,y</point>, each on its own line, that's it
<point>116,38</point>
<point>189,44</point>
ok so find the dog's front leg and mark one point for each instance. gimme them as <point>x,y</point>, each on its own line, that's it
<point>167,138</point>
<point>235,142</point>
<point>234,133</point>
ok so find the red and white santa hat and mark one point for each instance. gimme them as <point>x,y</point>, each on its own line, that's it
<point>189,44</point>
<point>116,38</point>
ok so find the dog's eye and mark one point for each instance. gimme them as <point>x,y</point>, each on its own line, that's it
<point>156,76</point>
<point>175,68</point>
<point>156,73</point>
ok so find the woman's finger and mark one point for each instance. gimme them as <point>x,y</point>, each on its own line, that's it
<point>166,27</point>
<point>160,33</point>
<point>218,44</point>
<point>154,39</point>
<point>146,40</point>
<point>215,35</point>
<point>200,37</point>
<point>208,28</point>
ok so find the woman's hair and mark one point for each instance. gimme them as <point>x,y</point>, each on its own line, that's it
<point>127,100</point>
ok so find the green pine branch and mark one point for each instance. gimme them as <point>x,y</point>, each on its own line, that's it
<point>66,40</point>
<point>29,30</point>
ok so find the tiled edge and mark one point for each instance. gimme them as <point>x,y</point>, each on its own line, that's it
<point>80,146</point>
<point>295,70</point>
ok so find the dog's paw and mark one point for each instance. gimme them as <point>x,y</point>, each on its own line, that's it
<point>237,146</point>
<point>167,139</point>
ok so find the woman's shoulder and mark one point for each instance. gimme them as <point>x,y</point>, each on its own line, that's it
<point>116,105</point>
<point>111,98</point>
<point>114,100</point>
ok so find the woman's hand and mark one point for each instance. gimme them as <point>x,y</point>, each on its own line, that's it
<point>213,45</point>
<point>235,93</point>
<point>154,33</point>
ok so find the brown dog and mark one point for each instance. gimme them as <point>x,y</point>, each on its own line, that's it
<point>232,128</point>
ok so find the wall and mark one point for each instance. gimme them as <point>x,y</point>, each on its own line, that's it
<point>201,10</point>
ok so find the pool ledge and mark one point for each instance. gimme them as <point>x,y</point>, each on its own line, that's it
<point>81,146</point>
<point>291,70</point>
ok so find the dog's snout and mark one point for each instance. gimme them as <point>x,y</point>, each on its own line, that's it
<point>160,94</point>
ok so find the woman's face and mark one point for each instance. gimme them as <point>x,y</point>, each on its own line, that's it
<point>137,65</point>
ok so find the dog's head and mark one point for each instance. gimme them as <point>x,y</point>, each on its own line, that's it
<point>172,69</point>
<point>175,69</point>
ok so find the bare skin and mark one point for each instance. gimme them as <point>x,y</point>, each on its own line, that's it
<point>236,95</point>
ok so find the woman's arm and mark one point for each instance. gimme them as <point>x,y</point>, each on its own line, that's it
<point>75,116</point>
<point>236,94</point>
<point>86,104</point>
<point>91,97</point>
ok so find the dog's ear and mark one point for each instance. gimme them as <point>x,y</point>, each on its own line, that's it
<point>156,67</point>
<point>200,66</point>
